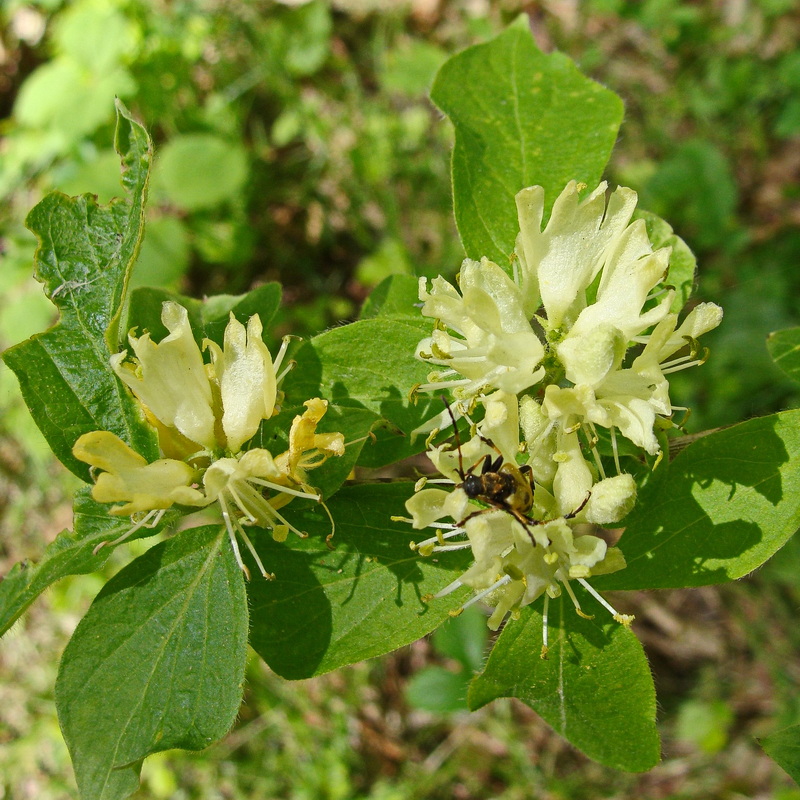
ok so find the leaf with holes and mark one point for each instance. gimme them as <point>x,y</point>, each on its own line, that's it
<point>85,254</point>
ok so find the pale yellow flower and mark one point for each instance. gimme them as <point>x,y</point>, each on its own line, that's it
<point>205,414</point>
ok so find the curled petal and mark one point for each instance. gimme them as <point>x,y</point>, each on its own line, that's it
<point>128,478</point>
<point>307,448</point>
<point>429,505</point>
<point>701,319</point>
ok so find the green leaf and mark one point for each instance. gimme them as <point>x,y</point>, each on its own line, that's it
<point>396,296</point>
<point>327,608</point>
<point>594,688</point>
<point>370,364</point>
<point>201,170</point>
<point>71,553</point>
<point>682,263</point>
<point>157,663</point>
<point>165,254</point>
<point>84,257</point>
<point>784,748</point>
<point>439,690</point>
<point>464,638</point>
<point>721,509</point>
<point>521,118</point>
<point>784,347</point>
<point>208,317</point>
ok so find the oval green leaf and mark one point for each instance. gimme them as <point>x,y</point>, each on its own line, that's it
<point>521,118</point>
<point>157,663</point>
<point>594,688</point>
<point>720,510</point>
<point>784,347</point>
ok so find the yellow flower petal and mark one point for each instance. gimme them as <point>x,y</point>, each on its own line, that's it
<point>246,380</point>
<point>171,378</point>
<point>307,448</point>
<point>128,478</point>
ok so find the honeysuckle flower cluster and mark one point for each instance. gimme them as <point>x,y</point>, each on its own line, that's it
<point>204,414</point>
<point>580,336</point>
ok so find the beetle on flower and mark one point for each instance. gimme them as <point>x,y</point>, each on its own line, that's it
<point>547,352</point>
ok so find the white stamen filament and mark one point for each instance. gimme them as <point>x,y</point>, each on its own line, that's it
<point>603,602</point>
<point>268,575</point>
<point>149,520</point>
<point>446,548</point>
<point>613,431</point>
<point>678,366</point>
<point>451,587</point>
<point>435,387</point>
<point>285,489</point>
<point>276,364</point>
<point>599,463</point>
<point>570,591</point>
<point>232,536</point>
<point>257,508</point>
<point>289,367</point>
<point>496,585</point>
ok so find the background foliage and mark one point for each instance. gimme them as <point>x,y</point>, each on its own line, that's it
<point>327,169</point>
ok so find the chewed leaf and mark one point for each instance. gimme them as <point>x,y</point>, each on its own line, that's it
<point>84,257</point>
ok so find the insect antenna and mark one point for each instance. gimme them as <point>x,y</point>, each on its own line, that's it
<point>457,437</point>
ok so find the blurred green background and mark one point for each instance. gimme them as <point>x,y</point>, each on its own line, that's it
<point>295,142</point>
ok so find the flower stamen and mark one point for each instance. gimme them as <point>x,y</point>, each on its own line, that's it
<point>285,489</point>
<point>149,520</point>
<point>624,619</point>
<point>506,579</point>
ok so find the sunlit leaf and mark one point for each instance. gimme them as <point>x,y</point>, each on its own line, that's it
<point>157,663</point>
<point>784,347</point>
<point>721,509</point>
<point>594,687</point>
<point>522,118</point>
